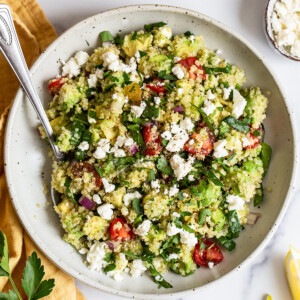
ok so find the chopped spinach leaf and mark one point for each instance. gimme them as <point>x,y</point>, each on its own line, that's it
<point>237,124</point>
<point>226,70</point>
<point>150,27</point>
<point>136,203</point>
<point>266,153</point>
<point>119,40</point>
<point>163,166</point>
<point>106,36</point>
<point>202,215</point>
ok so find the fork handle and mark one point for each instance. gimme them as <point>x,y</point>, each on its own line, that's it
<point>10,47</point>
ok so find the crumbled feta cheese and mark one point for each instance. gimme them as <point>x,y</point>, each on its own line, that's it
<point>92,81</point>
<point>209,107</point>
<point>81,57</point>
<point>95,256</point>
<point>219,148</point>
<point>185,195</point>
<point>137,268</point>
<point>180,91</point>
<point>235,202</point>
<point>177,71</point>
<point>166,135</point>
<point>210,264</point>
<point>173,256</point>
<point>97,199</point>
<point>128,142</point>
<point>175,215</point>
<point>138,110</point>
<point>191,178</point>
<point>188,238</point>
<point>83,146</point>
<point>99,73</point>
<point>137,56</point>
<point>108,186</point>
<point>166,32</point>
<point>114,96</point>
<point>99,153</point>
<point>192,38</point>
<point>109,57</point>
<point>246,142</point>
<point>118,152</point>
<point>239,104</point>
<point>143,228</point>
<point>105,211</point>
<point>83,251</point>
<point>130,196</point>
<point>187,124</point>
<point>180,166</point>
<point>176,59</point>
<point>157,100</point>
<point>173,190</point>
<point>226,92</point>
<point>172,229</point>
<point>104,144</point>
<point>176,143</point>
<point>155,185</point>
<point>71,68</point>
<point>210,95</point>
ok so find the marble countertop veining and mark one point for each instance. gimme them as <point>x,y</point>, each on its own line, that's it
<point>265,274</point>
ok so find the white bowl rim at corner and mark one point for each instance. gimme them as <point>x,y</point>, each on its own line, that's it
<point>61,264</point>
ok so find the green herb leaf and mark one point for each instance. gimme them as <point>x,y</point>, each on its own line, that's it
<point>226,70</point>
<point>187,228</point>
<point>234,222</point>
<point>136,203</point>
<point>134,36</point>
<point>180,196</point>
<point>109,268</point>
<point>259,196</point>
<point>157,278</point>
<point>32,277</point>
<point>119,40</point>
<point>4,263</point>
<point>163,75</point>
<point>266,153</point>
<point>69,193</point>
<point>163,166</point>
<point>188,34</point>
<point>227,243</point>
<point>151,175</point>
<point>106,36</point>
<point>10,296</point>
<point>136,134</point>
<point>142,53</point>
<point>205,118</point>
<point>150,27</point>
<point>237,124</point>
<point>211,176</point>
<point>202,215</point>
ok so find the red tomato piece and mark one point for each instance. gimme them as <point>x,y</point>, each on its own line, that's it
<point>200,142</point>
<point>211,253</point>
<point>55,85</point>
<point>157,86</point>
<point>120,230</point>
<point>80,167</point>
<point>152,140</point>
<point>254,140</point>
<point>188,63</point>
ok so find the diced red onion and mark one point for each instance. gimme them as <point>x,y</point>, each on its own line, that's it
<point>252,218</point>
<point>151,123</point>
<point>179,109</point>
<point>87,203</point>
<point>110,245</point>
<point>133,149</point>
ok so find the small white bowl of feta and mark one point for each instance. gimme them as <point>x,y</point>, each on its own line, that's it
<point>282,27</point>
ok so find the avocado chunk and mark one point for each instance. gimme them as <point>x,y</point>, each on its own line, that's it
<point>219,219</point>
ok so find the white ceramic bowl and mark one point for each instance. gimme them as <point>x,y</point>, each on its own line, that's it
<point>28,166</point>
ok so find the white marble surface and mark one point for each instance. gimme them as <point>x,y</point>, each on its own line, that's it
<point>265,274</point>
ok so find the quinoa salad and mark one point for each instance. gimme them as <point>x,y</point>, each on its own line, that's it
<point>165,153</point>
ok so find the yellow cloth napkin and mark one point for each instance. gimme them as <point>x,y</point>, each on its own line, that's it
<point>35,34</point>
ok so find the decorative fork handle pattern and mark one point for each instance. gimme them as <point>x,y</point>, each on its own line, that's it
<point>10,47</point>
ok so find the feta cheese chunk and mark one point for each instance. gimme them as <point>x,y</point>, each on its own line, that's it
<point>105,211</point>
<point>246,142</point>
<point>71,68</point>
<point>219,148</point>
<point>108,186</point>
<point>167,135</point>
<point>210,264</point>
<point>177,71</point>
<point>138,110</point>
<point>226,92</point>
<point>155,185</point>
<point>95,256</point>
<point>210,95</point>
<point>157,100</point>
<point>137,268</point>
<point>99,153</point>
<point>209,107</point>
<point>172,229</point>
<point>180,166</point>
<point>173,256</point>
<point>176,59</point>
<point>239,104</point>
<point>235,202</point>
<point>92,81</point>
<point>173,190</point>
<point>130,196</point>
<point>188,238</point>
<point>187,124</point>
<point>143,228</point>
<point>81,57</point>
<point>97,199</point>
<point>83,146</point>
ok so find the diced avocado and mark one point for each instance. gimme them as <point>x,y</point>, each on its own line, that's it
<point>95,228</point>
<point>56,124</point>
<point>109,129</point>
<point>219,219</point>
<point>73,222</point>
<point>75,239</point>
<point>136,41</point>
<point>160,58</point>
<point>209,192</point>
<point>185,47</point>
<point>250,166</point>
<point>155,64</point>
<point>116,197</point>
<point>154,239</point>
<point>69,96</point>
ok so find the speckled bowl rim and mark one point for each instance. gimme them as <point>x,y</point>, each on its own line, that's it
<point>60,264</point>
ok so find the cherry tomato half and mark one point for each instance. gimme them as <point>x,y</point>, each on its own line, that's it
<point>157,86</point>
<point>120,230</point>
<point>80,167</point>
<point>152,140</point>
<point>188,63</point>
<point>211,253</point>
<point>55,85</point>
<point>254,140</point>
<point>200,142</point>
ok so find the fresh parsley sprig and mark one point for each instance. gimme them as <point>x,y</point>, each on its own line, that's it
<point>33,274</point>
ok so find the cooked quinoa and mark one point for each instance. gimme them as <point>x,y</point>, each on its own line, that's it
<point>164,153</point>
